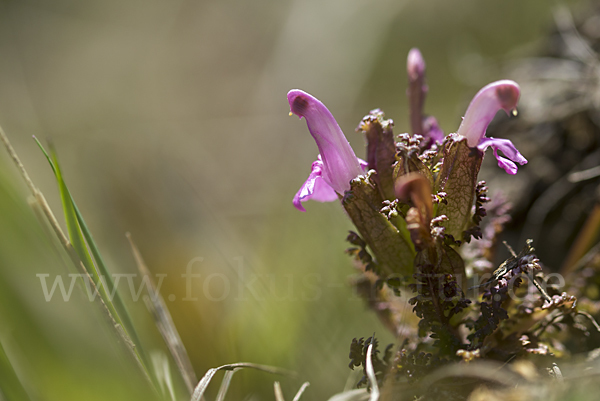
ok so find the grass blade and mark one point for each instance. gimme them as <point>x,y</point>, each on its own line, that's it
<point>205,381</point>
<point>360,394</point>
<point>109,312</point>
<point>278,392</point>
<point>75,234</point>
<point>160,363</point>
<point>225,384</point>
<point>371,375</point>
<point>301,391</point>
<point>164,323</point>
<point>11,388</point>
<point>81,238</point>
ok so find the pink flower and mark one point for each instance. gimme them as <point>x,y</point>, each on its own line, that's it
<point>480,113</point>
<point>336,164</point>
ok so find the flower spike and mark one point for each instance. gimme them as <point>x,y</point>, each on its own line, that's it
<point>480,113</point>
<point>415,67</point>
<point>417,91</point>
<point>337,164</point>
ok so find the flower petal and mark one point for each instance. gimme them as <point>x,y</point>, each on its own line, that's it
<point>363,165</point>
<point>509,150</point>
<point>506,146</point>
<point>484,106</point>
<point>340,164</point>
<point>314,188</point>
<point>507,165</point>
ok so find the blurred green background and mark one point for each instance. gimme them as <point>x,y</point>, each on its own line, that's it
<point>171,122</point>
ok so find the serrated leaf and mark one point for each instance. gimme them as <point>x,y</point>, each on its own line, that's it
<point>453,263</point>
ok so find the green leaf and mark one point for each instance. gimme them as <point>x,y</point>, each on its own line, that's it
<point>391,246</point>
<point>458,178</point>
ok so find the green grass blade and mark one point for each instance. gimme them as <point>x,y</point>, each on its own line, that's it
<point>81,238</point>
<point>78,235</point>
<point>11,388</point>
<point>75,234</point>
<point>119,304</point>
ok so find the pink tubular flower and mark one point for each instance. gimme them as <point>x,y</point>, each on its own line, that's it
<point>480,113</point>
<point>336,164</point>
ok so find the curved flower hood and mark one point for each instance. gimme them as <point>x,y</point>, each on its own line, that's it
<point>337,164</point>
<point>480,113</point>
